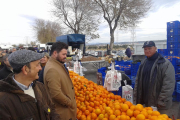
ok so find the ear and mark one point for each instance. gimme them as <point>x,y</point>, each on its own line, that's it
<point>25,70</point>
<point>55,53</point>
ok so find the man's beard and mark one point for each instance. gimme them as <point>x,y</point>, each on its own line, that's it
<point>57,58</point>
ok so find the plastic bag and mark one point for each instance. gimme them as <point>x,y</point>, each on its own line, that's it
<point>78,68</point>
<point>127,92</point>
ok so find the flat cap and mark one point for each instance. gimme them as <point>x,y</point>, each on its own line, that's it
<point>20,58</point>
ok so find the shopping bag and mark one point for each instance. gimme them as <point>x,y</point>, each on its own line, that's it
<point>127,92</point>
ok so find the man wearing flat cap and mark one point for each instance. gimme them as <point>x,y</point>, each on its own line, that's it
<point>155,80</point>
<point>21,97</point>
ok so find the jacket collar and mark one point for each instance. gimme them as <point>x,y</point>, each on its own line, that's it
<point>54,60</point>
<point>8,85</point>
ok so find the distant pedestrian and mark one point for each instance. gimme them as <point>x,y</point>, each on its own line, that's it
<point>7,69</point>
<point>58,82</point>
<point>128,52</point>
<point>21,96</point>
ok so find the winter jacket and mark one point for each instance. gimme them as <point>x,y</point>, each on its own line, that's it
<point>4,72</point>
<point>16,105</point>
<point>162,83</point>
<point>61,89</point>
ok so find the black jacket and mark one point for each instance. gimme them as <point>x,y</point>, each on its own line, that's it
<point>4,72</point>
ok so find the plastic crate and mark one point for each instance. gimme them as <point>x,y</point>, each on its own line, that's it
<point>173,24</point>
<point>174,52</point>
<point>133,79</point>
<point>173,31</point>
<point>178,97</point>
<point>163,51</point>
<point>177,76</point>
<point>175,61</point>
<point>178,87</point>
<point>119,92</point>
<point>119,62</point>
<point>128,62</point>
<point>133,85</point>
<point>177,69</point>
<point>127,71</point>
<point>173,38</point>
<point>173,45</point>
<point>103,69</point>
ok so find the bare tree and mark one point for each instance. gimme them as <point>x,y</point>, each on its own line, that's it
<point>80,16</point>
<point>122,14</point>
<point>46,31</point>
<point>32,43</point>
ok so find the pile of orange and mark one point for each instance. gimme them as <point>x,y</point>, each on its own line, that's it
<point>95,103</point>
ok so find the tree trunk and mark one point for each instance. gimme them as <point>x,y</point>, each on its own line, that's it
<point>112,40</point>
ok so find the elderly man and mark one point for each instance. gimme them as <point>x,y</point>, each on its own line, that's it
<point>7,69</point>
<point>155,80</point>
<point>59,84</point>
<point>21,97</point>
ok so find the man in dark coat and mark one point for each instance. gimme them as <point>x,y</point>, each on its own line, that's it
<point>21,97</point>
<point>155,81</point>
<point>128,52</point>
<point>7,69</point>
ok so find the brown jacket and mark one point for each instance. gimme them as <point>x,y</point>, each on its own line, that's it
<point>61,89</point>
<point>15,105</point>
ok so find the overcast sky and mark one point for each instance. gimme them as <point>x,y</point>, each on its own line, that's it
<point>17,17</point>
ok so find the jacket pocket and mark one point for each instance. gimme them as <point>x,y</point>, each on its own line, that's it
<point>167,103</point>
<point>47,112</point>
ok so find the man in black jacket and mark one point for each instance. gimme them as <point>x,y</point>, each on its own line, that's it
<point>7,69</point>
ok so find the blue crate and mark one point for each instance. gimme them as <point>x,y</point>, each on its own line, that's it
<point>119,62</point>
<point>177,76</point>
<point>174,52</point>
<point>173,24</point>
<point>120,91</point>
<point>128,62</point>
<point>178,87</point>
<point>103,69</point>
<point>178,97</point>
<point>173,38</point>
<point>175,61</point>
<point>133,79</point>
<point>103,78</point>
<point>173,45</point>
<point>177,69</point>
<point>127,71</point>
<point>133,85</point>
<point>173,31</point>
<point>163,51</point>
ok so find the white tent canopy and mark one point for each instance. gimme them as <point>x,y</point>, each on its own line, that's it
<point>6,46</point>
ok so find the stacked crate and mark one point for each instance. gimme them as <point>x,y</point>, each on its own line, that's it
<point>173,52</point>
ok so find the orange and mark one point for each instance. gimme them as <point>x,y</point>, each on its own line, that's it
<point>145,114</point>
<point>139,107</point>
<point>133,118</point>
<point>83,117</point>
<point>117,107</point>
<point>93,115</point>
<point>124,107</point>
<point>140,117</point>
<point>128,103</point>
<point>165,116</point>
<point>98,111</point>
<point>117,112</point>
<point>129,112</point>
<point>104,119</point>
<point>112,117</point>
<point>101,116</point>
<point>155,113</point>
<point>136,112</point>
<point>149,112</point>
<point>132,107</point>
<point>107,109</point>
<point>153,118</point>
<point>123,117</point>
<point>110,112</point>
<point>86,112</point>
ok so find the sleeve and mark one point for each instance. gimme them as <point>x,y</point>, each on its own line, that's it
<point>4,114</point>
<point>168,85</point>
<point>52,81</point>
<point>41,75</point>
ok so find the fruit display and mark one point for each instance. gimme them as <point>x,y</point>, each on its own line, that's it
<point>96,103</point>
